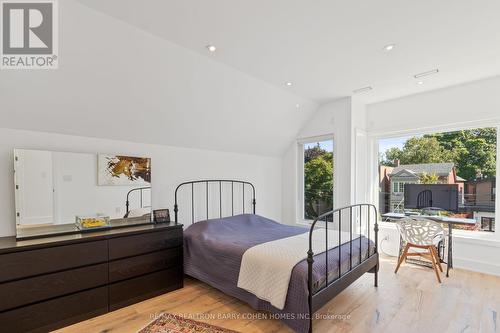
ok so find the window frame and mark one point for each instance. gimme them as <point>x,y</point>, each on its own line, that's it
<point>396,187</point>
<point>300,213</point>
<point>376,136</point>
<point>400,185</point>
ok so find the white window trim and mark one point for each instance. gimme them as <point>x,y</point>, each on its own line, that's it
<point>300,173</point>
<point>374,137</point>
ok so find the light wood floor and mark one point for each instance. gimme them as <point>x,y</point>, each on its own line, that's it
<point>411,301</point>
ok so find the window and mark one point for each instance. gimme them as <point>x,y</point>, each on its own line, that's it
<point>466,160</point>
<point>317,178</point>
<point>398,187</point>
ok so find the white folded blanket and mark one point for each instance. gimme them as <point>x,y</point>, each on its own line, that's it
<point>266,268</point>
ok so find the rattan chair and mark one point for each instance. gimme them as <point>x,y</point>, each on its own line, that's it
<point>423,235</point>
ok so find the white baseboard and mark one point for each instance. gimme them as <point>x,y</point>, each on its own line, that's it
<point>477,266</point>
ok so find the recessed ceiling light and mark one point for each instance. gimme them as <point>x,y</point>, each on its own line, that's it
<point>211,48</point>
<point>297,106</point>
<point>288,84</point>
<point>389,47</point>
<point>420,82</point>
<point>362,90</point>
<point>434,71</point>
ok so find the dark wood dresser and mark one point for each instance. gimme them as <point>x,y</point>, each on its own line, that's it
<point>53,282</point>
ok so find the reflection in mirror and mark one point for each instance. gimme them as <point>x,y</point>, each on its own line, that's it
<point>54,188</point>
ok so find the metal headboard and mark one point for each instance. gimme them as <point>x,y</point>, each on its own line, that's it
<point>215,181</point>
<point>127,202</point>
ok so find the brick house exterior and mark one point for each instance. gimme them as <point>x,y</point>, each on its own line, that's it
<point>480,199</point>
<point>392,181</point>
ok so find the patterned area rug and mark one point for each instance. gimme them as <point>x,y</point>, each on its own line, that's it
<point>169,323</point>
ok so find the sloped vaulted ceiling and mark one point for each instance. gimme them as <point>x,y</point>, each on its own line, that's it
<point>117,81</point>
<point>329,48</point>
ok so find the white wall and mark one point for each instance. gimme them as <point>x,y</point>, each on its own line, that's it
<point>472,102</point>
<point>470,105</point>
<point>332,118</point>
<point>171,165</point>
<point>360,155</point>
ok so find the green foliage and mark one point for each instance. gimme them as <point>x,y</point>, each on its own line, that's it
<point>429,178</point>
<point>311,153</point>
<point>418,150</point>
<point>318,181</point>
<point>472,151</point>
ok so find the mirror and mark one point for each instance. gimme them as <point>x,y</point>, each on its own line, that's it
<point>53,188</point>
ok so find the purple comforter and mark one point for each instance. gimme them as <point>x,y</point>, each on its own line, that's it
<point>213,250</point>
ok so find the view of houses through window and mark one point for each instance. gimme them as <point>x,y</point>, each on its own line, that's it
<point>463,162</point>
<point>318,178</point>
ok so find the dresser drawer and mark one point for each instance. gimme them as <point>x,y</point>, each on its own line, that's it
<point>56,313</point>
<point>128,246</point>
<point>137,289</point>
<point>28,263</point>
<point>35,289</point>
<point>139,265</point>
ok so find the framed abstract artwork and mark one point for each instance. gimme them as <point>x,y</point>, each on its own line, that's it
<point>119,170</point>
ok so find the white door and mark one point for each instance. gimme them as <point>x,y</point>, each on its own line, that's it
<point>34,187</point>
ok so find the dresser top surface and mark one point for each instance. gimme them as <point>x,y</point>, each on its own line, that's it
<point>11,244</point>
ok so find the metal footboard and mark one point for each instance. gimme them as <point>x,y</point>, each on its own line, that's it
<point>358,216</point>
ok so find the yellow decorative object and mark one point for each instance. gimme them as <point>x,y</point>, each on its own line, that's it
<point>90,222</point>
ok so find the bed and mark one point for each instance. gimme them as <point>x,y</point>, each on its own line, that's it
<point>144,209</point>
<point>215,247</point>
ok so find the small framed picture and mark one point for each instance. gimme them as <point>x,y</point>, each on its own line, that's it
<point>161,215</point>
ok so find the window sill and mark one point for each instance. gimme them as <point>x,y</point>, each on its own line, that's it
<point>305,223</point>
<point>308,223</point>
<point>387,225</point>
<point>477,237</point>
<point>484,238</point>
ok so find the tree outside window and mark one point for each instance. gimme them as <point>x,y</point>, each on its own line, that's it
<point>318,178</point>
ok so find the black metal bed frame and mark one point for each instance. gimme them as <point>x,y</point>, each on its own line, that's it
<point>207,183</point>
<point>316,299</point>
<point>127,202</point>
<point>370,264</point>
